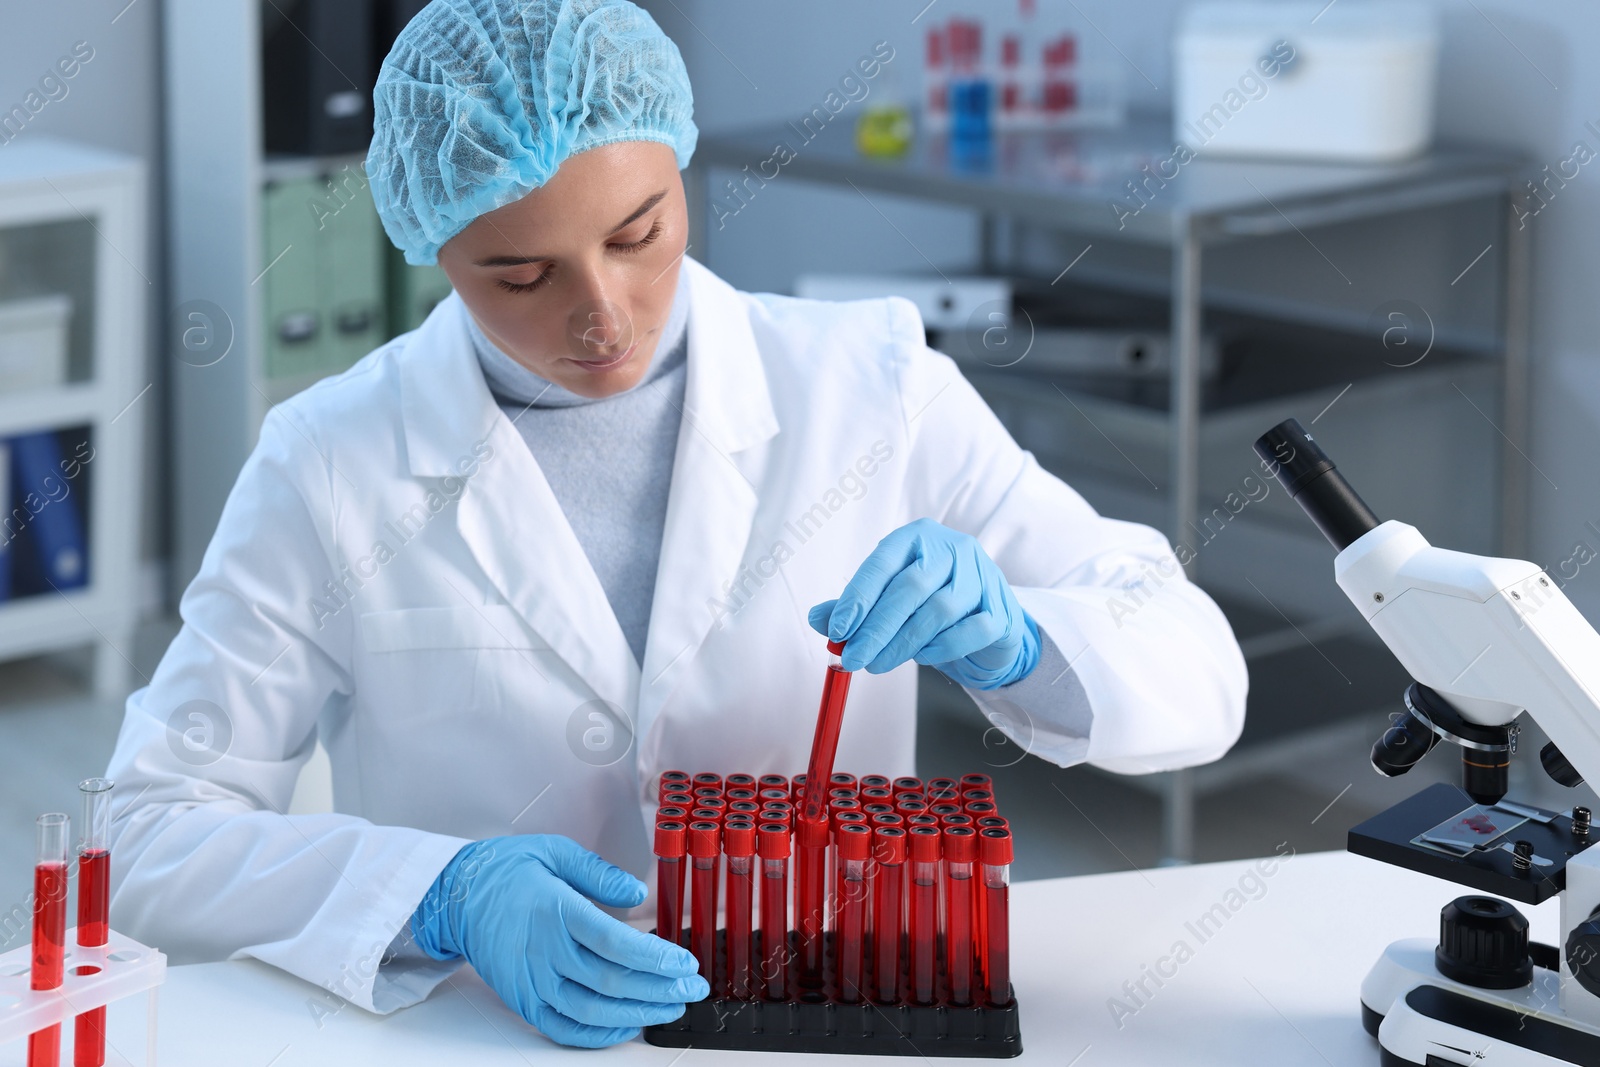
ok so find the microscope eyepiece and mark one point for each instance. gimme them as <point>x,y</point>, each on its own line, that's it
<point>1312,481</point>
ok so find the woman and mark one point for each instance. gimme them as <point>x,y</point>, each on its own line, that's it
<point>569,534</point>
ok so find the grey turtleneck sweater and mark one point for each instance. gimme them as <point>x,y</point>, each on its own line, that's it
<point>608,460</point>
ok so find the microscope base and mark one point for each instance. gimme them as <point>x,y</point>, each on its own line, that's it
<point>1421,1017</point>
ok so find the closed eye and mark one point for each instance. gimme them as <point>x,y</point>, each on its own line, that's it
<point>646,240</point>
<point>526,287</point>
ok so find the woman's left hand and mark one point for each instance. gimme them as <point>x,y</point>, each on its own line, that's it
<point>933,595</point>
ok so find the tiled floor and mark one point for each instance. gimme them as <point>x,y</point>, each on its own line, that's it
<point>1075,821</point>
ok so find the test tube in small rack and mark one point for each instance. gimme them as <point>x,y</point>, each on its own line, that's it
<point>898,942</point>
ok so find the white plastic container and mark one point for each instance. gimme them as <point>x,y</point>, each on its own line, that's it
<point>1354,80</point>
<point>33,342</point>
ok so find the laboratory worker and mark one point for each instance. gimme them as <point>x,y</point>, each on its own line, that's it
<point>593,520</point>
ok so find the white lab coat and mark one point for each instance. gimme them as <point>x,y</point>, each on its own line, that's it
<point>393,576</point>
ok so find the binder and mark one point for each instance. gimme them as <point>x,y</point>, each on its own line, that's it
<point>51,549</point>
<point>316,68</point>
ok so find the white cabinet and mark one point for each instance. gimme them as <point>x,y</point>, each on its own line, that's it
<point>72,373</point>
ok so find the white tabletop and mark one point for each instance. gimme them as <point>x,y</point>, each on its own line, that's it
<point>1275,982</point>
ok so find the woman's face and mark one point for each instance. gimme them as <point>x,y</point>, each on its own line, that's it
<point>575,280</point>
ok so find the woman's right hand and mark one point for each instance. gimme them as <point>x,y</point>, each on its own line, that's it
<point>519,910</point>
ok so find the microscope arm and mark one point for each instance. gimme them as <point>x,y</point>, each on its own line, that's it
<point>1492,636</point>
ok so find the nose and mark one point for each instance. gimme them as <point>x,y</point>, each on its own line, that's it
<point>598,327</point>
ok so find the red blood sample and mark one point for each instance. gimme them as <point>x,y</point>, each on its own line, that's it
<point>960,851</point>
<point>812,826</point>
<point>995,853</point>
<point>923,919</point>
<point>739,843</point>
<point>705,855</point>
<point>889,852</point>
<point>670,845</point>
<point>855,848</point>
<point>49,929</point>
<point>772,842</point>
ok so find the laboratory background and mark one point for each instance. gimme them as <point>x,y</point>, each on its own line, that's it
<point>1147,232</point>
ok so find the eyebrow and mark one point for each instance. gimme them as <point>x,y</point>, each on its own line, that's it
<point>522,261</point>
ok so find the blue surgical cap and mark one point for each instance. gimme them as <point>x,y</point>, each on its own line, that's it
<point>481,100</point>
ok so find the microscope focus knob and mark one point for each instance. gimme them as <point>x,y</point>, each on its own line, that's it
<point>1483,942</point>
<point>1583,953</point>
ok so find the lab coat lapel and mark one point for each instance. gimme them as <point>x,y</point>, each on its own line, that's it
<point>508,516</point>
<point>727,415</point>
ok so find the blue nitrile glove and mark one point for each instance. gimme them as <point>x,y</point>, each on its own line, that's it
<point>933,595</point>
<point>517,909</point>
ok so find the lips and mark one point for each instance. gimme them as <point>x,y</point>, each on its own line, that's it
<point>610,362</point>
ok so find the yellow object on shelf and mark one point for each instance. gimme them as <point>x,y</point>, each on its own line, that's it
<point>884,131</point>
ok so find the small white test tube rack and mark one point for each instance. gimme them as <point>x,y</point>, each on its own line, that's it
<point>95,976</point>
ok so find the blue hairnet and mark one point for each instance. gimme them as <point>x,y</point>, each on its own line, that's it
<point>481,100</point>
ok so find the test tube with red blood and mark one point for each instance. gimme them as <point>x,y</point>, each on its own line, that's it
<point>943,796</point>
<point>907,785</point>
<point>888,907</point>
<point>887,818</point>
<point>671,813</point>
<point>855,849</point>
<point>977,781</point>
<point>969,796</point>
<point>739,844</point>
<point>994,857</point>
<point>671,844</point>
<point>707,792</point>
<point>682,800</point>
<point>877,808</point>
<point>49,928</point>
<point>739,781</point>
<point>772,844</point>
<point>923,919</point>
<point>812,825</point>
<point>782,806</point>
<point>960,854</point>
<point>736,793</point>
<point>908,804</point>
<point>942,783</point>
<point>921,818</point>
<point>874,781</point>
<point>708,779</point>
<point>871,793</point>
<point>979,808</point>
<point>810,881</point>
<point>673,782</point>
<point>743,807</point>
<point>774,781</point>
<point>94,896</point>
<point>840,792</point>
<point>838,818</point>
<point>944,809</point>
<point>842,780</point>
<point>705,857</point>
<point>987,822</point>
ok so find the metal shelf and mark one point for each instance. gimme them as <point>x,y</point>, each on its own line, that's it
<point>1071,181</point>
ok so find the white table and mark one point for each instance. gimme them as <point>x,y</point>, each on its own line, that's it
<point>1276,982</point>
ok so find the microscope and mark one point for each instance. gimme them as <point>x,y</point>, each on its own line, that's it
<point>1484,641</point>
